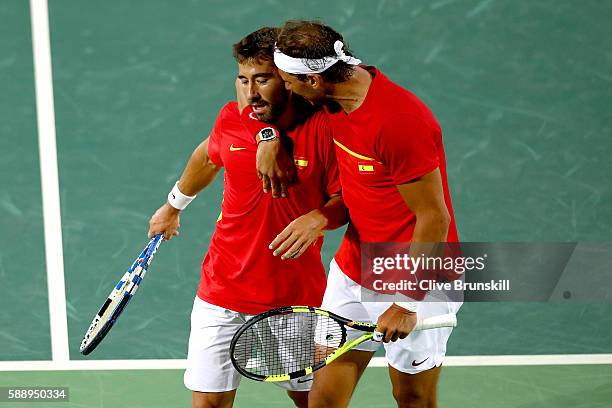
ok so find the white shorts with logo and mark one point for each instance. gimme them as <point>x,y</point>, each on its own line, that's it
<point>209,368</point>
<point>420,351</point>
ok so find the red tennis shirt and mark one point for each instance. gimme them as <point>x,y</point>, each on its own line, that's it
<point>391,139</point>
<point>239,272</point>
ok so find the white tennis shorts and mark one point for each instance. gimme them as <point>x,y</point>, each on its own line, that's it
<point>209,368</point>
<point>420,351</point>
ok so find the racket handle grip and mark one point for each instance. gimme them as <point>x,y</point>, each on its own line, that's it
<point>377,336</point>
<point>434,322</point>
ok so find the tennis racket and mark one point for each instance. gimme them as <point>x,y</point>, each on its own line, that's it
<point>291,342</point>
<point>119,297</point>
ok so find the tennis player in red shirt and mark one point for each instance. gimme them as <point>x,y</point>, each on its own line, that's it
<point>393,175</point>
<point>240,276</point>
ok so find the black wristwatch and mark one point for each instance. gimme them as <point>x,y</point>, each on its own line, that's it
<point>266,134</point>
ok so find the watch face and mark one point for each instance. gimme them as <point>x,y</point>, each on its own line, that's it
<point>267,134</point>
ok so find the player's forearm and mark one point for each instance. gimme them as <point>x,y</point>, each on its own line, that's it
<point>430,232</point>
<point>334,212</point>
<point>199,172</point>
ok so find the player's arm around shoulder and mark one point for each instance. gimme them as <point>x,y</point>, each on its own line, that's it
<point>275,167</point>
<point>304,231</point>
<point>199,173</point>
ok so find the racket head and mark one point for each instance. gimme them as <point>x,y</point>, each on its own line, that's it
<point>102,323</point>
<point>286,343</point>
<point>119,298</point>
<point>294,341</point>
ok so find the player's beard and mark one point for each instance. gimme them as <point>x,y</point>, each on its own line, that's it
<point>273,109</point>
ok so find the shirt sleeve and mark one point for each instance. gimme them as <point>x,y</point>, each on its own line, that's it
<point>408,148</point>
<point>214,139</point>
<point>213,149</point>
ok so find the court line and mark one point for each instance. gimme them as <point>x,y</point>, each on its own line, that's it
<point>47,150</point>
<point>516,360</point>
<point>450,361</point>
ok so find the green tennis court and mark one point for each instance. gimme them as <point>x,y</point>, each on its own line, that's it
<point>521,90</point>
<point>503,387</point>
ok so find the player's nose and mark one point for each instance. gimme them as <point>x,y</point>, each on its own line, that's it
<point>253,92</point>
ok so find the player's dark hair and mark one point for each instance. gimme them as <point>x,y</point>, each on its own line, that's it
<point>313,40</point>
<point>257,46</point>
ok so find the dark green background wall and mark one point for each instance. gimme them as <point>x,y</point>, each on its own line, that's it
<point>521,90</point>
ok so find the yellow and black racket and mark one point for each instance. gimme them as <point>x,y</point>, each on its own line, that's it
<point>291,342</point>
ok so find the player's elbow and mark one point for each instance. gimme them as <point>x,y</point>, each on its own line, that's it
<point>436,221</point>
<point>443,218</point>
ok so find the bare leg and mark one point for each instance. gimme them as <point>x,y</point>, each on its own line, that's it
<point>300,398</point>
<point>415,390</point>
<point>334,384</point>
<point>213,399</point>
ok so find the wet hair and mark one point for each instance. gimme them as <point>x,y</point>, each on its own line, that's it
<point>257,46</point>
<point>314,40</point>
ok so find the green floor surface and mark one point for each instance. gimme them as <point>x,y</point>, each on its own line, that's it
<point>469,387</point>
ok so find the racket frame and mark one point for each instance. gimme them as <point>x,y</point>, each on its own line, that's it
<point>449,320</point>
<point>125,288</point>
<point>343,323</point>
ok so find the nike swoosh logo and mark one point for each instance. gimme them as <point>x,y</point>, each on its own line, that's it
<point>304,381</point>
<point>235,149</point>
<point>415,364</point>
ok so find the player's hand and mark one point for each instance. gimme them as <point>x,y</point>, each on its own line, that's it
<point>396,323</point>
<point>300,234</point>
<point>166,220</point>
<point>275,168</point>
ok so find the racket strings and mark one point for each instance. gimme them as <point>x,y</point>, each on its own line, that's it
<point>288,343</point>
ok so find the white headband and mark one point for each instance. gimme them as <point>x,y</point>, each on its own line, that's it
<point>312,66</point>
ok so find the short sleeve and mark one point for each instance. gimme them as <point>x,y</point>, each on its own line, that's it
<point>213,148</point>
<point>408,148</point>
<point>214,139</point>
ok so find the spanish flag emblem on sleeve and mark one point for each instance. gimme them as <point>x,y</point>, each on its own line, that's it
<point>365,167</point>
<point>301,162</point>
